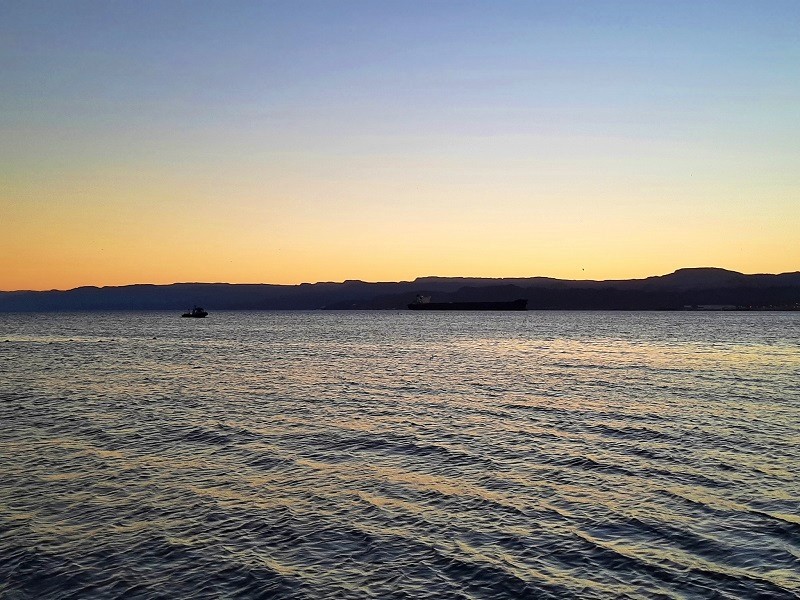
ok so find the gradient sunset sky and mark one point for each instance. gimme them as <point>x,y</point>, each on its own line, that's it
<point>282,142</point>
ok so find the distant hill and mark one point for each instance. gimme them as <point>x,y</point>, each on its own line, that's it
<point>697,287</point>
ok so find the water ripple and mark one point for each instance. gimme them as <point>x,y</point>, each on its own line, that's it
<point>391,455</point>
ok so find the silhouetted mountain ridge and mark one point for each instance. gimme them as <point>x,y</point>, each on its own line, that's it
<point>684,287</point>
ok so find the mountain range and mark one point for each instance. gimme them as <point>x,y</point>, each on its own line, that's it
<point>705,287</point>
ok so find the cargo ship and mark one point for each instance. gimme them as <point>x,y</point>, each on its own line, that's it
<point>424,303</point>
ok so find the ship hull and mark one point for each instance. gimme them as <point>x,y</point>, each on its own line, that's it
<point>513,305</point>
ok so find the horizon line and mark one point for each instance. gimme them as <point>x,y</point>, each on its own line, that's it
<point>388,281</point>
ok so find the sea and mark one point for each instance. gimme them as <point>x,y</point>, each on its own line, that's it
<point>407,455</point>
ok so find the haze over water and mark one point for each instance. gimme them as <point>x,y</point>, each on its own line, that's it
<point>400,455</point>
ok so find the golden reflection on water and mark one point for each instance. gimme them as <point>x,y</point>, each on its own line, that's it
<point>591,456</point>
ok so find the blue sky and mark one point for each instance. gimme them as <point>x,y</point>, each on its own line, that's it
<point>656,119</point>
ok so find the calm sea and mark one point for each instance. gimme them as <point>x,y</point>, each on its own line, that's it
<point>400,455</point>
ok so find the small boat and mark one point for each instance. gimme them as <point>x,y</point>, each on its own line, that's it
<point>424,303</point>
<point>197,312</point>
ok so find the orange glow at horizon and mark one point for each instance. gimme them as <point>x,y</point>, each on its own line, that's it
<point>123,230</point>
<point>298,145</point>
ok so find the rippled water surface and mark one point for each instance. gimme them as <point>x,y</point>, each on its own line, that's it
<point>400,455</point>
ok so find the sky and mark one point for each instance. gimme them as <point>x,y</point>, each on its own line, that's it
<point>303,141</point>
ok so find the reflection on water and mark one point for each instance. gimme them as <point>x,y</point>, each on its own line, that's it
<point>400,455</point>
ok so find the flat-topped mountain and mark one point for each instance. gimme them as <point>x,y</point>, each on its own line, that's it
<point>684,288</point>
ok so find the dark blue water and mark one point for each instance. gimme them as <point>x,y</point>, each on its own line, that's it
<point>400,455</point>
